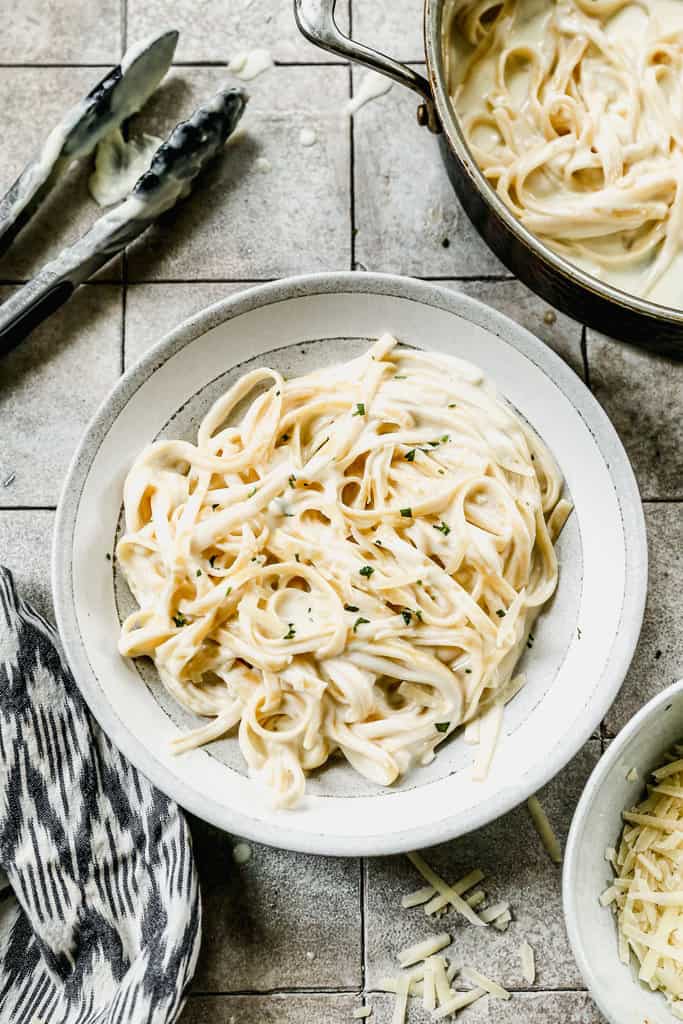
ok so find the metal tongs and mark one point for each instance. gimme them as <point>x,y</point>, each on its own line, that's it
<point>174,166</point>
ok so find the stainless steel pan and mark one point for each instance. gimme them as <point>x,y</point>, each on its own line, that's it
<point>559,282</point>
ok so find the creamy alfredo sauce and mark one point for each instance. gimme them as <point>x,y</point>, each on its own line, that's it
<point>574,111</point>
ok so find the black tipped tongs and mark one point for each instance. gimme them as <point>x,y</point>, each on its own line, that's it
<point>174,166</point>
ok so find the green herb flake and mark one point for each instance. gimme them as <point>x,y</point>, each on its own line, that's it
<point>443,528</point>
<point>378,543</point>
<point>410,456</point>
<point>350,608</point>
<point>291,632</point>
<point>445,439</point>
<point>433,444</point>
<point>292,480</point>
<point>366,571</point>
<point>251,493</point>
<point>285,437</point>
<point>400,376</point>
<point>297,557</point>
<point>360,622</point>
<point>277,394</point>
<point>212,560</point>
<point>442,726</point>
<point>407,513</point>
<point>452,405</point>
<point>500,613</point>
<point>418,615</point>
<point>228,592</point>
<point>468,671</point>
<point>180,620</point>
<point>407,616</point>
<point>360,409</point>
<point>214,507</point>
<point>199,572</point>
<point>441,472</point>
<point>108,557</point>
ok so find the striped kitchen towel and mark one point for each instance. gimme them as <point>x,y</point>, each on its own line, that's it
<point>102,919</point>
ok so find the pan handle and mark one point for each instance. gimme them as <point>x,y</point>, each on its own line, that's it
<point>315,19</point>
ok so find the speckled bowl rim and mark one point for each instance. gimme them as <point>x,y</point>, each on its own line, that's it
<point>429,294</point>
<point>580,822</point>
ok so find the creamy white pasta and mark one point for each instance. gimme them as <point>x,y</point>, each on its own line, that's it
<point>354,566</point>
<point>574,111</point>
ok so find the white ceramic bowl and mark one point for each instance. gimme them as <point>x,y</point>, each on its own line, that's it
<point>584,639</point>
<point>597,824</point>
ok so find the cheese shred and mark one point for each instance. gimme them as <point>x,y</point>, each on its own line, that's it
<point>544,829</point>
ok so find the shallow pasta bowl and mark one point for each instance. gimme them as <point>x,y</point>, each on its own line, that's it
<point>556,279</point>
<point>584,639</point>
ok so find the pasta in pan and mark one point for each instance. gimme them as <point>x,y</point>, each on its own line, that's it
<point>354,566</point>
<point>573,109</point>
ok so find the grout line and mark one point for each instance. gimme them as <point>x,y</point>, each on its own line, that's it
<point>124,306</point>
<point>27,508</point>
<point>124,26</point>
<point>285,991</point>
<point>662,501</point>
<point>352,180</point>
<point>584,356</point>
<point>199,280</point>
<point>363,921</point>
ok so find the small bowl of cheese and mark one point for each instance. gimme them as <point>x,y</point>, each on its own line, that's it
<point>623,872</point>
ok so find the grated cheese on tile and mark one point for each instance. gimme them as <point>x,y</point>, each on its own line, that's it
<point>438,902</point>
<point>502,922</point>
<point>459,1002</point>
<point>428,987</point>
<point>456,901</point>
<point>401,1004</point>
<point>493,912</point>
<point>492,987</point>
<point>417,898</point>
<point>361,1012</point>
<point>544,829</point>
<point>528,959</point>
<point>632,776</point>
<point>441,983</point>
<point>424,949</point>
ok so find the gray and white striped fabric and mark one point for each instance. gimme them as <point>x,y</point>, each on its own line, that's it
<point>102,920</point>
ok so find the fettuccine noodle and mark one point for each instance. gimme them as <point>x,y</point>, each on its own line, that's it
<point>573,109</point>
<point>354,566</point>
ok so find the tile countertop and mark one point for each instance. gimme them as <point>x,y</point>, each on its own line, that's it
<point>290,937</point>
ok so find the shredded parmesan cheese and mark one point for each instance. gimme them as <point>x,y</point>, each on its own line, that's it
<point>632,776</point>
<point>421,950</point>
<point>647,891</point>
<point>502,922</point>
<point>361,1012</point>
<point>528,963</point>
<point>420,896</point>
<point>491,913</point>
<point>468,882</point>
<point>401,1004</point>
<point>445,890</point>
<point>441,983</point>
<point>544,829</point>
<point>428,988</point>
<point>492,987</point>
<point>458,1002</point>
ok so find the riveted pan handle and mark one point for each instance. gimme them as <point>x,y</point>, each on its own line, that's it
<point>315,19</point>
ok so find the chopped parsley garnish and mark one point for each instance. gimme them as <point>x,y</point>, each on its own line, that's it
<point>228,591</point>
<point>214,507</point>
<point>400,376</point>
<point>366,571</point>
<point>321,445</point>
<point>251,493</point>
<point>445,439</point>
<point>212,560</point>
<point>530,640</point>
<point>468,671</point>
<point>292,480</point>
<point>500,613</point>
<point>360,622</point>
<point>199,572</point>
<point>285,437</point>
<point>452,405</point>
<point>410,456</point>
<point>360,410</point>
<point>418,615</point>
<point>297,557</point>
<point>407,513</point>
<point>180,620</point>
<point>277,394</point>
<point>433,444</point>
<point>441,726</point>
<point>291,632</point>
<point>108,557</point>
<point>378,543</point>
<point>407,616</point>
<point>350,608</point>
<point>444,528</point>
<point>441,472</point>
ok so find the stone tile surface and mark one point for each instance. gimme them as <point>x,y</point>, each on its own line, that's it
<point>394,28</point>
<point>214,31</point>
<point>50,386</point>
<point>271,1009</point>
<point>657,661</point>
<point>641,394</point>
<point>268,205</point>
<point>25,544</point>
<point>408,218</point>
<point>39,98</point>
<point>556,329</point>
<point>55,32</point>
<point>523,1008</point>
<point>517,869</point>
<point>282,920</point>
<point>154,309</point>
